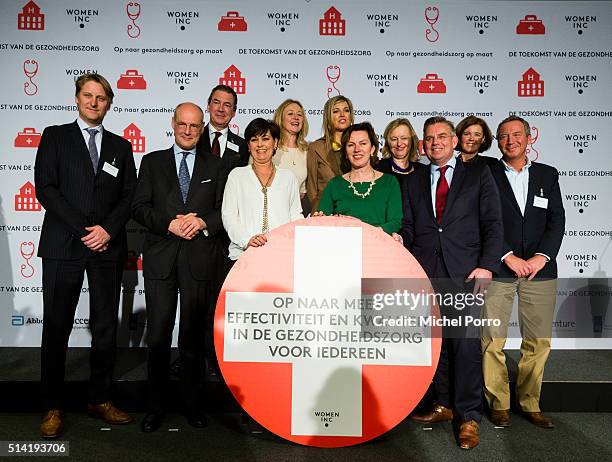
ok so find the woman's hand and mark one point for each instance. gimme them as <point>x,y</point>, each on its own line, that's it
<point>257,241</point>
<point>317,214</point>
<point>397,237</point>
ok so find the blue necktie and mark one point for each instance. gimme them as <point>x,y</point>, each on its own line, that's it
<point>184,177</point>
<point>93,149</point>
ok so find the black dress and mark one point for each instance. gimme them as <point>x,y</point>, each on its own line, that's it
<point>388,166</point>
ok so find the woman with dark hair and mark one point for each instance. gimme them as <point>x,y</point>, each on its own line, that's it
<point>258,197</point>
<point>324,155</point>
<point>372,196</point>
<point>400,154</point>
<point>475,137</point>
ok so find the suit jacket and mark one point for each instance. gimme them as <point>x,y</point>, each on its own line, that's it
<point>74,196</point>
<point>320,170</point>
<point>158,201</point>
<point>230,158</point>
<point>471,232</point>
<point>540,230</point>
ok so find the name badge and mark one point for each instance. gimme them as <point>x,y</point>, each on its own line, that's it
<point>541,202</point>
<point>232,146</point>
<point>110,169</point>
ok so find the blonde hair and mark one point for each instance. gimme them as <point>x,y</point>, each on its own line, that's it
<point>328,128</point>
<point>278,119</point>
<point>413,155</point>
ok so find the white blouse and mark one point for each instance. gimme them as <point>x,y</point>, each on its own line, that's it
<point>242,208</point>
<point>293,159</point>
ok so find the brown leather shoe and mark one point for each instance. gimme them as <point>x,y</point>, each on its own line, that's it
<point>51,425</point>
<point>539,419</point>
<point>109,413</point>
<point>501,418</point>
<point>439,413</point>
<point>469,434</point>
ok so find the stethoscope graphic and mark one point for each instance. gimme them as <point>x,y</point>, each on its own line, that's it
<point>530,148</point>
<point>27,251</point>
<point>432,13</point>
<point>133,30</point>
<point>332,77</point>
<point>30,69</point>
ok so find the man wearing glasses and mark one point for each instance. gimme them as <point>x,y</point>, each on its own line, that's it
<point>178,199</point>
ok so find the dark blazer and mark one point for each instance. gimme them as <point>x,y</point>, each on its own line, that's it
<point>158,201</point>
<point>471,232</point>
<point>386,166</point>
<point>482,158</point>
<point>74,197</point>
<point>539,230</point>
<point>230,158</point>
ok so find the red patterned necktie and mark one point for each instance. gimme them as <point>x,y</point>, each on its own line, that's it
<point>216,147</point>
<point>441,193</point>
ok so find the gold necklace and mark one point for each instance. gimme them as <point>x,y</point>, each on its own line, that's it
<point>265,227</point>
<point>357,193</point>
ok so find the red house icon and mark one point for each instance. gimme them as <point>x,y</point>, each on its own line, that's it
<point>132,134</point>
<point>30,17</point>
<point>531,85</point>
<point>25,200</point>
<point>232,77</point>
<point>332,23</point>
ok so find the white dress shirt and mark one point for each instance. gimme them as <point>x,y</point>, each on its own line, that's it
<point>98,137</point>
<point>435,175</point>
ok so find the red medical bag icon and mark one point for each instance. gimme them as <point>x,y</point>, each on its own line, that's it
<point>431,84</point>
<point>28,138</point>
<point>531,25</point>
<point>131,80</point>
<point>233,22</point>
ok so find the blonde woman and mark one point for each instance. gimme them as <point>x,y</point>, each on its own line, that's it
<point>325,154</point>
<point>292,148</point>
<point>400,154</point>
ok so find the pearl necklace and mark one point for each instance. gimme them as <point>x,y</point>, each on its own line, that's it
<point>367,193</point>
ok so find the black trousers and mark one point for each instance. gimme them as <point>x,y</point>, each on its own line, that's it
<point>458,381</point>
<point>62,283</point>
<point>161,296</point>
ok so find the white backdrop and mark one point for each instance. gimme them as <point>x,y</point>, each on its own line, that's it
<point>378,56</point>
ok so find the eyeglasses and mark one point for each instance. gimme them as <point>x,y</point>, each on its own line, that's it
<point>182,126</point>
<point>440,137</point>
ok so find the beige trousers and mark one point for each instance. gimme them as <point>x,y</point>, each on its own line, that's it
<point>536,305</point>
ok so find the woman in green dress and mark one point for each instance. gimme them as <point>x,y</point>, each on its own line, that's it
<point>373,197</point>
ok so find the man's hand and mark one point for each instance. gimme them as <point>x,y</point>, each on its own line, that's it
<point>483,279</point>
<point>521,268</point>
<point>191,225</point>
<point>257,241</point>
<point>97,239</point>
<point>186,226</point>
<point>536,263</point>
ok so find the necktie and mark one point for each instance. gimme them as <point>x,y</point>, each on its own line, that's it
<point>441,193</point>
<point>93,149</point>
<point>216,147</point>
<point>184,177</point>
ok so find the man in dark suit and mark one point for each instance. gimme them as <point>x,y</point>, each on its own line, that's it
<point>534,223</point>
<point>452,225</point>
<point>217,138</point>
<point>178,199</point>
<point>85,178</point>
<point>220,141</point>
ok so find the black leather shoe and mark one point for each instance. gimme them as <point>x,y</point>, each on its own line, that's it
<point>151,422</point>
<point>197,420</point>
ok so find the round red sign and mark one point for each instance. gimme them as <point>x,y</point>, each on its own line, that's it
<point>309,345</point>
